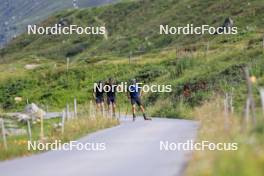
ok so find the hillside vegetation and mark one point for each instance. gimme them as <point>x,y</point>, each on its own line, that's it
<point>134,26</point>
<point>133,29</point>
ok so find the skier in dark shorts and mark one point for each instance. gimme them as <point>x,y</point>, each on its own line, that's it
<point>111,96</point>
<point>99,96</point>
<point>134,94</point>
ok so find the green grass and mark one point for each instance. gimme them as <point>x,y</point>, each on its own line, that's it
<point>219,72</point>
<point>74,129</point>
<point>249,157</point>
<point>134,26</point>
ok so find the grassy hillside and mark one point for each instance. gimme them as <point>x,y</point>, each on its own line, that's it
<point>180,60</point>
<point>134,27</point>
<point>247,160</point>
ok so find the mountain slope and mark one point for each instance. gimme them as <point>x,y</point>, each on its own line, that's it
<point>16,14</point>
<point>134,27</point>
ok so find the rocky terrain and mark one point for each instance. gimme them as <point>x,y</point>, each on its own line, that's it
<point>16,14</point>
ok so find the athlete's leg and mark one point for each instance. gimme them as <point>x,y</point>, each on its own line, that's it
<point>114,108</point>
<point>134,111</point>
<point>138,101</point>
<point>133,103</point>
<point>142,109</point>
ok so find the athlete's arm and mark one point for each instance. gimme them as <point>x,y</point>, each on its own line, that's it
<point>141,92</point>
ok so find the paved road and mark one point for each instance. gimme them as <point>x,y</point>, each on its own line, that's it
<point>132,149</point>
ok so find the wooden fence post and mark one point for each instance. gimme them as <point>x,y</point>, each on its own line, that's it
<point>41,126</point>
<point>226,111</point>
<point>247,111</point>
<point>67,112</point>
<point>111,110</point>
<point>103,111</point>
<point>29,130</point>
<point>231,101</point>
<point>119,113</point>
<point>94,111</point>
<point>90,109</point>
<point>4,134</point>
<point>63,122</point>
<point>262,98</point>
<point>75,107</point>
<point>250,97</point>
<point>68,63</point>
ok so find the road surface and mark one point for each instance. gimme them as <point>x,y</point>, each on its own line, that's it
<point>131,149</point>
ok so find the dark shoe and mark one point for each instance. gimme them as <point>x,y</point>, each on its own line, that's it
<point>134,117</point>
<point>145,118</point>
